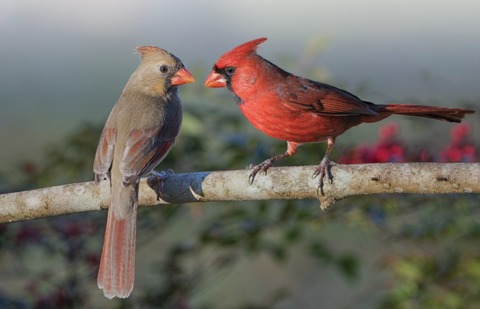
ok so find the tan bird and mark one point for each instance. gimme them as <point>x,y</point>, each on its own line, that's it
<point>139,133</point>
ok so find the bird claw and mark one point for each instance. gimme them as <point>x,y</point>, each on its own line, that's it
<point>161,177</point>
<point>322,170</point>
<point>264,166</point>
<point>315,174</point>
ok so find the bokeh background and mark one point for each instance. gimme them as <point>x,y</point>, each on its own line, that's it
<point>64,64</point>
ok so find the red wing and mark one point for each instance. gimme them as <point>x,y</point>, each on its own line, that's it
<point>145,149</point>
<point>104,155</point>
<point>309,96</point>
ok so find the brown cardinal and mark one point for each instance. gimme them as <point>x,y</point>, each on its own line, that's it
<point>299,110</point>
<point>139,132</point>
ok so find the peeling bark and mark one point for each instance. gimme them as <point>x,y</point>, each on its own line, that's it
<point>279,183</point>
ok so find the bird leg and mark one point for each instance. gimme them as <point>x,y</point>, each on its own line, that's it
<point>264,166</point>
<point>324,167</point>
<point>161,177</point>
<point>291,150</point>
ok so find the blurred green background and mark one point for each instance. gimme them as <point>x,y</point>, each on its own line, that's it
<point>63,66</point>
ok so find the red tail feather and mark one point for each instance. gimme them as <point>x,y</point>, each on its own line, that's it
<point>117,267</point>
<point>439,113</point>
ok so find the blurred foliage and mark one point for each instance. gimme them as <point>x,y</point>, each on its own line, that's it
<point>426,254</point>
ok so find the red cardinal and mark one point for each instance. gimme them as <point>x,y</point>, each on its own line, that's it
<point>299,110</point>
<point>139,132</point>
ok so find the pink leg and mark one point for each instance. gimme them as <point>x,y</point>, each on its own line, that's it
<point>324,167</point>
<point>161,177</point>
<point>291,150</point>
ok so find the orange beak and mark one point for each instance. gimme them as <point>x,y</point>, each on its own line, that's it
<point>215,80</point>
<point>182,77</point>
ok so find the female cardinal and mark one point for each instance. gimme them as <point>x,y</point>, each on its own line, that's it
<point>299,110</point>
<point>139,132</point>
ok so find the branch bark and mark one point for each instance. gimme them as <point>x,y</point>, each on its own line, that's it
<point>279,183</point>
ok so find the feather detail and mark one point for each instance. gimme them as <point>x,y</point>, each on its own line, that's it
<point>117,266</point>
<point>104,154</point>
<point>240,52</point>
<point>433,112</point>
<point>145,149</point>
<point>148,50</point>
<point>308,96</point>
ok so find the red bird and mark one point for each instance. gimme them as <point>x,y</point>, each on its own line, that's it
<point>139,133</point>
<point>299,110</point>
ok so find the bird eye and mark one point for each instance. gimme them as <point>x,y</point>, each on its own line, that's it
<point>230,70</point>
<point>164,69</point>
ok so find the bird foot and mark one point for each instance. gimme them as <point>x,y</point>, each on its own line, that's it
<point>322,170</point>
<point>161,177</point>
<point>264,166</point>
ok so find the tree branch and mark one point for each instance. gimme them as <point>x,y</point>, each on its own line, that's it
<point>279,183</point>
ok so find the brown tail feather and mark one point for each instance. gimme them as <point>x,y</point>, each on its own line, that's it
<point>117,267</point>
<point>439,113</point>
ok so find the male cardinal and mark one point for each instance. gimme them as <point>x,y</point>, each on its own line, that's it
<point>139,132</point>
<point>299,110</point>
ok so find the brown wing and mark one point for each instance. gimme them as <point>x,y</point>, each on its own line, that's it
<point>104,155</point>
<point>309,96</point>
<point>145,149</point>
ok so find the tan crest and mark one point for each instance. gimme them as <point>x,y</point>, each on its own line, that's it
<point>146,50</point>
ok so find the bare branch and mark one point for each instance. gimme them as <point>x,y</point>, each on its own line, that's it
<point>279,183</point>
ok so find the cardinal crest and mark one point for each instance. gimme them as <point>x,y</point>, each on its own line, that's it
<point>147,50</point>
<point>246,48</point>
